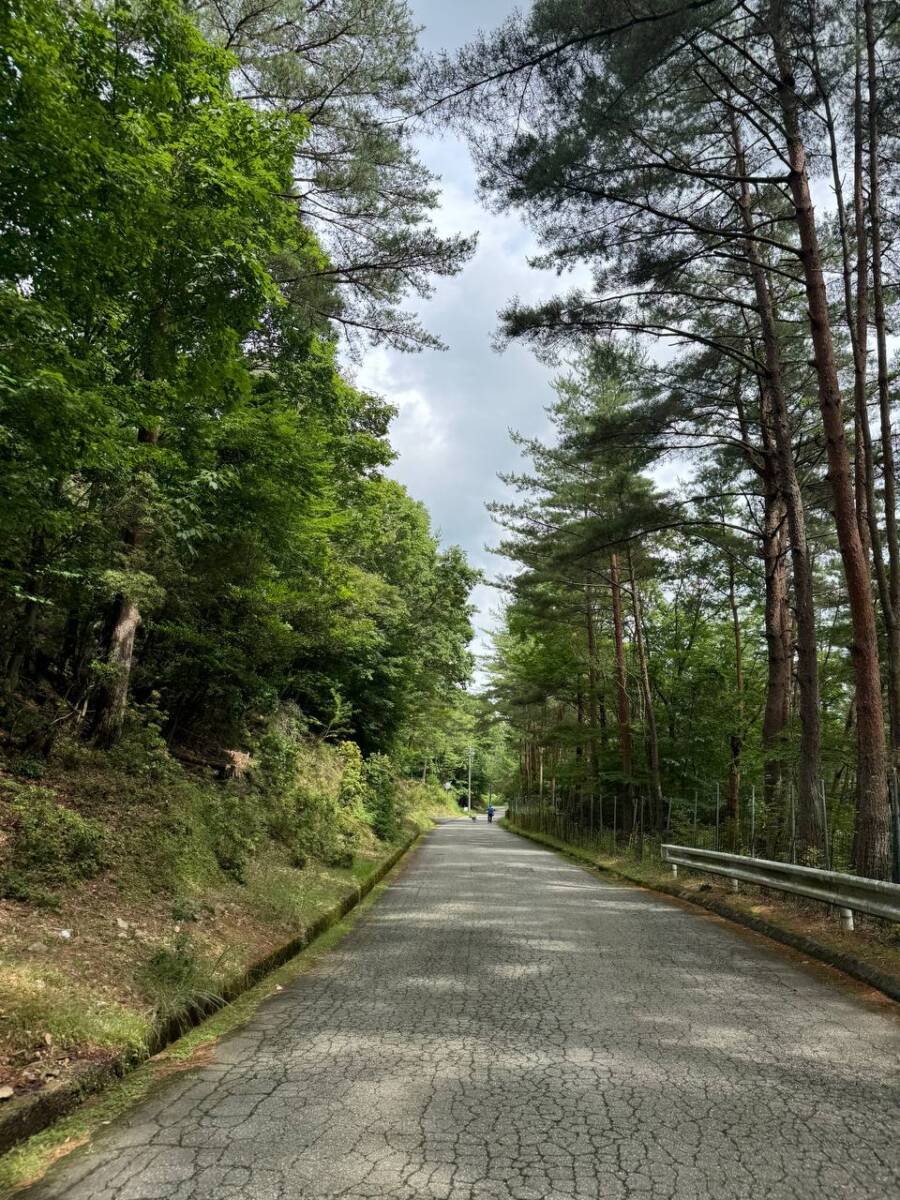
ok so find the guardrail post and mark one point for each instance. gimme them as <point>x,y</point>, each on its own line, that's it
<point>846,919</point>
<point>735,885</point>
<point>674,870</point>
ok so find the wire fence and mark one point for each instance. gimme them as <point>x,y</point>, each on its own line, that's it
<point>703,819</point>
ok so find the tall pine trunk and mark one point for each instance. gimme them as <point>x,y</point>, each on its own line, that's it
<point>778,642</point>
<point>623,708</point>
<point>890,601</point>
<point>870,849</point>
<point>774,397</point>
<point>593,716</point>
<point>735,739</point>
<point>656,797</point>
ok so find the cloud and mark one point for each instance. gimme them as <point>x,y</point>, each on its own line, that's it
<point>456,408</point>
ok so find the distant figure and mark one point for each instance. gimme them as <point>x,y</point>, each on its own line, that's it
<point>490,812</point>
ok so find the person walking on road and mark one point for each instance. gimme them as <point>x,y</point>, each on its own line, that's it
<point>490,812</point>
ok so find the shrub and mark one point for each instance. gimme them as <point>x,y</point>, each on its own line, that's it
<point>278,755</point>
<point>353,790</point>
<point>238,826</point>
<point>51,843</point>
<point>381,796</point>
<point>325,830</point>
<point>141,750</point>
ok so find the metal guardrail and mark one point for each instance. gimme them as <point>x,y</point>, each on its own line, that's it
<point>848,893</point>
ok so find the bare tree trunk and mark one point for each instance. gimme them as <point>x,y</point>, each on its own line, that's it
<point>871,850</point>
<point>656,798</point>
<point>773,549</point>
<point>890,602</point>
<point>775,409</point>
<point>125,618</point>
<point>778,643</point>
<point>623,708</point>
<point>857,323</point>
<point>736,737</point>
<point>593,718</point>
<point>113,691</point>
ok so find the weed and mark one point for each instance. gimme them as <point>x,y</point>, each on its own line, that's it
<point>176,979</point>
<point>29,767</point>
<point>15,886</point>
<point>185,910</point>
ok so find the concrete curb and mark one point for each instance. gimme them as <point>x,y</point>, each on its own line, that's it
<point>856,968</point>
<point>29,1115</point>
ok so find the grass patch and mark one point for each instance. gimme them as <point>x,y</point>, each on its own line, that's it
<point>141,890</point>
<point>178,979</point>
<point>37,1004</point>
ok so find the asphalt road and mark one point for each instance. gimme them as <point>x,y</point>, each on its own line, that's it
<point>504,1025</point>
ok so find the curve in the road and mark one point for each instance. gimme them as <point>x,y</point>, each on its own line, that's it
<point>504,1025</point>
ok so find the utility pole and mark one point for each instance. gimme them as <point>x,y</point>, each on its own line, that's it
<point>471,753</point>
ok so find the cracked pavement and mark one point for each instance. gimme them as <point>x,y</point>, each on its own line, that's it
<point>502,1025</point>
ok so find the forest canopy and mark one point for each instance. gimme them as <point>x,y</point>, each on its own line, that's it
<point>195,521</point>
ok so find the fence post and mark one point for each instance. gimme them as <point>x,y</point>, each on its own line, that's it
<point>825,827</point>
<point>753,821</point>
<point>717,816</point>
<point>895,823</point>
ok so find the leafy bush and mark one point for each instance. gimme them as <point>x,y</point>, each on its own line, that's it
<point>278,754</point>
<point>29,767</point>
<point>353,790</point>
<point>238,825</point>
<point>325,830</point>
<point>14,886</point>
<point>141,751</point>
<point>52,843</point>
<point>381,796</point>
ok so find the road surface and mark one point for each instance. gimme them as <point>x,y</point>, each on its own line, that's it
<point>504,1025</point>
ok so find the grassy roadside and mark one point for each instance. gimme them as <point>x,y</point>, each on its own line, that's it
<point>27,1163</point>
<point>871,953</point>
<point>137,894</point>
